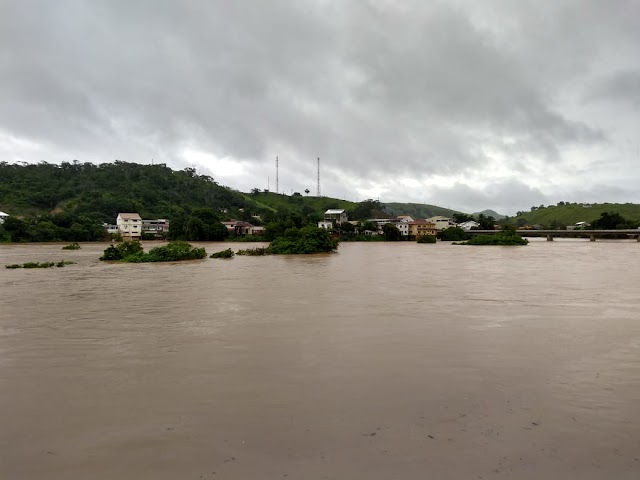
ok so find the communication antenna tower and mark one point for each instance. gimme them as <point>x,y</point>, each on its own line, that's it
<point>277,184</point>
<point>318,190</point>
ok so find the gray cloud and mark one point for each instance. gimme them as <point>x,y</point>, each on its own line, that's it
<point>458,92</point>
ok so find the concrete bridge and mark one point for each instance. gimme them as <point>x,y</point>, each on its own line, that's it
<point>551,234</point>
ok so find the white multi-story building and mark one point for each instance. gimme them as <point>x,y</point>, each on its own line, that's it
<point>129,226</point>
<point>2,217</point>
<point>337,215</point>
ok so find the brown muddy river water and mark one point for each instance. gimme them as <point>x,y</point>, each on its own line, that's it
<point>384,361</point>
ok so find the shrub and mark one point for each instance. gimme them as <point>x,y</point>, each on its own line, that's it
<point>228,253</point>
<point>173,252</point>
<point>426,239</point>
<point>308,239</point>
<point>254,251</point>
<point>72,246</point>
<point>497,239</point>
<point>122,250</point>
<point>453,234</point>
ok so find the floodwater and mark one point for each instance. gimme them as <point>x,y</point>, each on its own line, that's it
<point>383,361</point>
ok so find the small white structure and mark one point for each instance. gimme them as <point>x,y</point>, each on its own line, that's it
<point>403,227</point>
<point>2,217</point>
<point>466,226</point>
<point>129,226</point>
<point>110,228</point>
<point>578,226</point>
<point>337,215</point>
<point>325,225</point>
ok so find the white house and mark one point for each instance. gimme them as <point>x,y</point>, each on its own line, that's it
<point>466,226</point>
<point>2,217</point>
<point>325,225</point>
<point>337,215</point>
<point>129,226</point>
<point>403,227</point>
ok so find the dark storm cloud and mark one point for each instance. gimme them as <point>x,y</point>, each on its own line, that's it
<point>380,90</point>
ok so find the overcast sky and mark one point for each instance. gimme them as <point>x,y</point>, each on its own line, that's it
<point>465,104</point>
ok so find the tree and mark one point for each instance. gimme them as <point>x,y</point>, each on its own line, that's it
<point>347,228</point>
<point>612,221</point>
<point>453,234</point>
<point>306,190</point>
<point>391,232</point>
<point>486,223</point>
<point>462,217</point>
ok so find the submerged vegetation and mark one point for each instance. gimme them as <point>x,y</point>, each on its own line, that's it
<point>309,239</point>
<point>507,237</point>
<point>426,239</point>
<point>72,246</point>
<point>133,252</point>
<point>61,263</point>
<point>228,253</point>
<point>254,252</point>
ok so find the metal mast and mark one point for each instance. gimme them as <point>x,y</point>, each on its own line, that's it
<point>277,186</point>
<point>318,190</point>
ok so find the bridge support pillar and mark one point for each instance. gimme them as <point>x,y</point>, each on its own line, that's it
<point>592,238</point>
<point>549,238</point>
<point>638,238</point>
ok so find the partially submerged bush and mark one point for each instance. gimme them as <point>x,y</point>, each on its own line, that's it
<point>61,263</point>
<point>228,253</point>
<point>426,239</point>
<point>454,234</point>
<point>254,251</point>
<point>173,252</point>
<point>308,239</point>
<point>72,246</point>
<point>506,237</point>
<point>122,250</point>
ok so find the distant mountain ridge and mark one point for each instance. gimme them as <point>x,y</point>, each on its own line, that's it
<point>489,213</point>
<point>417,210</point>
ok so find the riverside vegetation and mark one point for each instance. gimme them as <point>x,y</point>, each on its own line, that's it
<point>132,252</point>
<point>61,263</point>
<point>506,237</point>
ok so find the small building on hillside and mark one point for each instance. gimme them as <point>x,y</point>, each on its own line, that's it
<point>442,223</point>
<point>579,226</point>
<point>110,228</point>
<point>466,226</point>
<point>419,228</point>
<point>325,225</point>
<point>158,228</point>
<point>129,226</point>
<point>3,216</point>
<point>336,215</point>
<point>242,229</point>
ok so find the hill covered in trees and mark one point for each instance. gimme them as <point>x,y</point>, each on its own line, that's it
<point>417,210</point>
<point>564,214</point>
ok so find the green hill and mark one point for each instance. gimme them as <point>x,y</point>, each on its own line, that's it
<point>571,213</point>
<point>417,210</point>
<point>303,205</point>
<point>489,213</point>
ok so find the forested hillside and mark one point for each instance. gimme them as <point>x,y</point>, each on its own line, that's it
<point>417,210</point>
<point>563,214</point>
<point>106,189</point>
